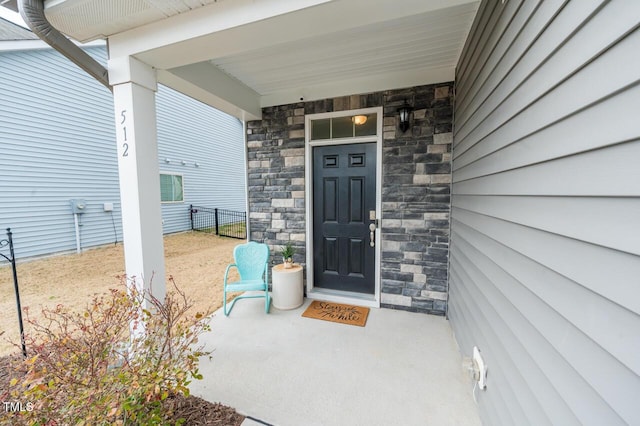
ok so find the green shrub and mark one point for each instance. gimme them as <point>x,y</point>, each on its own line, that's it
<point>90,368</point>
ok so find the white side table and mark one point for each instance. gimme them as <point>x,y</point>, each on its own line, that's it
<point>286,287</point>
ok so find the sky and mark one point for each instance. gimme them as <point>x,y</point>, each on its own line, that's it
<point>12,16</point>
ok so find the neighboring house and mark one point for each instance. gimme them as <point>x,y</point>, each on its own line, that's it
<point>57,142</point>
<point>512,204</point>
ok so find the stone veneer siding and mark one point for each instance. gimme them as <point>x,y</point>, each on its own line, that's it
<point>416,188</point>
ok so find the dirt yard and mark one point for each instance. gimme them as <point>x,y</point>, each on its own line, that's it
<point>196,261</point>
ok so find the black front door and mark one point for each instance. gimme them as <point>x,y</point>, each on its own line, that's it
<point>344,198</point>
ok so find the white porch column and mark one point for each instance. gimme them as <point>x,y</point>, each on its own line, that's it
<point>134,86</point>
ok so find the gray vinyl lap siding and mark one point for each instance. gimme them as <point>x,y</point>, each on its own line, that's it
<point>57,142</point>
<point>193,132</point>
<point>545,232</point>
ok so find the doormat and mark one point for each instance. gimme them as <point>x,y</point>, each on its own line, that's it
<point>337,312</point>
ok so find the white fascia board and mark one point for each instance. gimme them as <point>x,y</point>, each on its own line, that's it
<point>360,85</point>
<point>200,22</point>
<point>199,36</point>
<point>217,90</point>
<point>14,45</point>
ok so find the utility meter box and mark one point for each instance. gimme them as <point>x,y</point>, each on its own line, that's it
<point>78,206</point>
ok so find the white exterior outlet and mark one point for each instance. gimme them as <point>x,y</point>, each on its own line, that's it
<point>480,367</point>
<point>108,207</point>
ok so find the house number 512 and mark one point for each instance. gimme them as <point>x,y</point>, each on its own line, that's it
<point>125,145</point>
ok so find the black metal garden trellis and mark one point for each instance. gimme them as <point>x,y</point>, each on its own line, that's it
<point>12,258</point>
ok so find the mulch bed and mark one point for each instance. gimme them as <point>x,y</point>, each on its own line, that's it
<point>194,410</point>
<point>198,412</point>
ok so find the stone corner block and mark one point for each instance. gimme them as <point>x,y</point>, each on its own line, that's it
<point>294,161</point>
<point>441,92</point>
<point>435,295</point>
<point>442,138</point>
<point>396,299</point>
<point>415,269</point>
<point>282,202</point>
<point>421,179</point>
<point>295,134</point>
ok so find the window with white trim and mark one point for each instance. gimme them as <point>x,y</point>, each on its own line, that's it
<point>171,188</point>
<point>350,126</point>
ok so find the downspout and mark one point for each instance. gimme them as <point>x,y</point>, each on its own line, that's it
<point>32,11</point>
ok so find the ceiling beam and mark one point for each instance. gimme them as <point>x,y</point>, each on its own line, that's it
<point>211,86</point>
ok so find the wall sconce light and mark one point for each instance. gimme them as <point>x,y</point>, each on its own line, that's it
<point>359,120</point>
<point>184,163</point>
<point>405,114</point>
<point>166,160</point>
<point>196,164</point>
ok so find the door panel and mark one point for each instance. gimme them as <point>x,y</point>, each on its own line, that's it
<point>331,254</point>
<point>356,200</point>
<point>356,253</point>
<point>344,192</point>
<point>330,200</point>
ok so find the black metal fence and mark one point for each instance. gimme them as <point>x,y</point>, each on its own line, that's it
<point>12,259</point>
<point>226,223</point>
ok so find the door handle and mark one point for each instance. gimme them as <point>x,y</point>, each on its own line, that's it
<point>372,234</point>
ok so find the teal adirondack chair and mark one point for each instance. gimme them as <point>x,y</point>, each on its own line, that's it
<point>252,262</point>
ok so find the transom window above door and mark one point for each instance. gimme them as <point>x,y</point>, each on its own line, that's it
<point>348,126</point>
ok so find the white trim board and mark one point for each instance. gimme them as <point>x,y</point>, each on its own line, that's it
<point>13,45</point>
<point>334,295</point>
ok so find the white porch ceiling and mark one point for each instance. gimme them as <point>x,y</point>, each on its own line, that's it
<point>241,55</point>
<point>424,42</point>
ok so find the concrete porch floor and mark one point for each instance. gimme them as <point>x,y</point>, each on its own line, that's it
<point>402,368</point>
